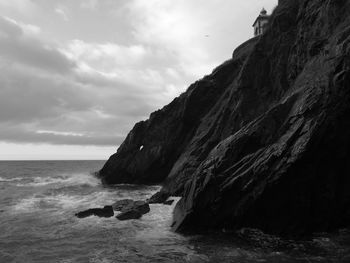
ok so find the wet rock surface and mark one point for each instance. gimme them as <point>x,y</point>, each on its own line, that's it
<point>131,209</point>
<point>285,170</point>
<point>128,215</point>
<point>158,198</point>
<point>106,211</point>
<point>263,141</point>
<point>120,204</point>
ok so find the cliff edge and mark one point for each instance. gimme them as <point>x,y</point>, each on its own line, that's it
<point>264,141</point>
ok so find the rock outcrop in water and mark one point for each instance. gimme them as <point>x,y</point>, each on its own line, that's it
<point>106,211</point>
<point>130,209</point>
<point>264,141</point>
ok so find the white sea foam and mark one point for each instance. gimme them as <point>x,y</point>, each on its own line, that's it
<point>2,179</point>
<point>66,179</point>
<point>25,204</point>
<point>60,200</point>
<point>34,203</point>
<point>63,202</point>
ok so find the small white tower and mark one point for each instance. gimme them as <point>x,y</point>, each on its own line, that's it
<point>261,23</point>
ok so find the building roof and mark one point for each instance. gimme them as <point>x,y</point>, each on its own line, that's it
<point>262,16</point>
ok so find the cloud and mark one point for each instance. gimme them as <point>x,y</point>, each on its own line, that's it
<point>200,35</point>
<point>31,103</point>
<point>23,6</point>
<point>28,96</point>
<point>21,135</point>
<point>51,93</point>
<point>26,29</point>
<point>106,56</point>
<point>62,13</point>
<point>86,82</point>
<point>18,42</point>
<point>89,4</point>
<point>35,151</point>
<point>175,30</point>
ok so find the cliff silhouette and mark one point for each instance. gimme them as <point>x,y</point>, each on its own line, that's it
<point>263,141</point>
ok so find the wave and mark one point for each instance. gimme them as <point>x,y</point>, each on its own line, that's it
<point>2,179</point>
<point>37,202</point>
<point>61,203</point>
<point>68,179</point>
<point>75,199</point>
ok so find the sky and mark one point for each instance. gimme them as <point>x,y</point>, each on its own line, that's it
<point>75,76</point>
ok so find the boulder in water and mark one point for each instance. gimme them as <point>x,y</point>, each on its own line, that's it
<point>120,204</point>
<point>158,198</point>
<point>133,210</point>
<point>106,211</point>
<point>141,206</point>
<point>130,214</point>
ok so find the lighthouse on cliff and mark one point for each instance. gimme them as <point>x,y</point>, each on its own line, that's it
<point>261,23</point>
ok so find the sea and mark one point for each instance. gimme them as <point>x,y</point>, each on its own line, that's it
<point>38,200</point>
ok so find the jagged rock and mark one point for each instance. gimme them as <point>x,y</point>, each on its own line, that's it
<point>133,210</point>
<point>285,170</point>
<point>168,132</point>
<point>263,141</point>
<point>158,198</point>
<point>130,214</point>
<point>106,211</point>
<point>120,204</point>
<point>141,206</point>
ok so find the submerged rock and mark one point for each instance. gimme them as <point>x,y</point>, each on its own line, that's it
<point>263,141</point>
<point>106,211</point>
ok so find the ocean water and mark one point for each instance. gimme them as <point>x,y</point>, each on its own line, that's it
<point>38,200</point>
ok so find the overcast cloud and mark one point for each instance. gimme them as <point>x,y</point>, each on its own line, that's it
<point>81,73</point>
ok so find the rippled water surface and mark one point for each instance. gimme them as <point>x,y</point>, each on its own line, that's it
<point>37,224</point>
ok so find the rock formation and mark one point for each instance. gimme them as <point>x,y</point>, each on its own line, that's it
<point>106,211</point>
<point>131,209</point>
<point>159,198</point>
<point>122,204</point>
<point>264,141</point>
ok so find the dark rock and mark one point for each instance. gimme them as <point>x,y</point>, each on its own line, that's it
<point>285,170</point>
<point>141,206</point>
<point>120,204</point>
<point>345,259</point>
<point>158,198</point>
<point>169,131</point>
<point>130,214</point>
<point>169,202</point>
<point>106,211</point>
<point>262,142</point>
<point>133,210</point>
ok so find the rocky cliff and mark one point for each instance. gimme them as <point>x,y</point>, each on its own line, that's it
<point>264,141</point>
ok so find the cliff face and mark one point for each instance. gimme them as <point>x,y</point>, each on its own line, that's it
<point>152,147</point>
<point>264,141</point>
